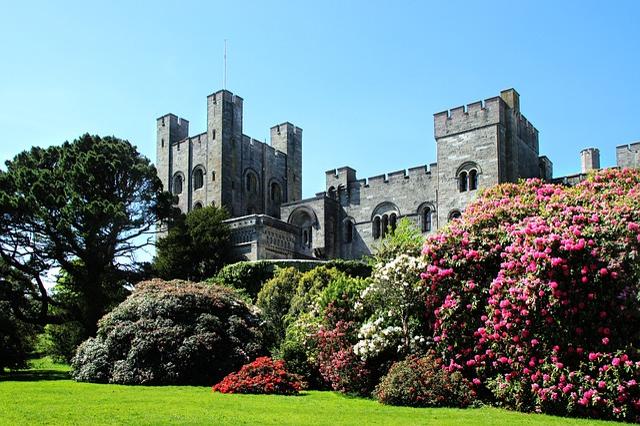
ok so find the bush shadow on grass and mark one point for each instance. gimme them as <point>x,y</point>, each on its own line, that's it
<point>34,375</point>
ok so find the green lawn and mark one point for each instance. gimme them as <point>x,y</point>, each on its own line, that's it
<point>45,395</point>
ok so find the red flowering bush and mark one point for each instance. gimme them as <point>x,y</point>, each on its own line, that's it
<point>337,362</point>
<point>262,376</point>
<point>424,382</point>
<point>534,294</point>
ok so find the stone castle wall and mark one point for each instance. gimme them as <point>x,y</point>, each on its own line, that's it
<point>479,145</point>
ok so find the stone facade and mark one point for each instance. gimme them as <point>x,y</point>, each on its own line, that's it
<point>478,145</point>
<point>628,155</point>
<point>224,167</point>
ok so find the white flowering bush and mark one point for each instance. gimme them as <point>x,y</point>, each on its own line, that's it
<point>396,299</point>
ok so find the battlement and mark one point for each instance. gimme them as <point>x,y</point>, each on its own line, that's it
<point>286,127</point>
<point>472,116</point>
<point>385,178</point>
<point>634,146</point>
<point>628,155</point>
<point>340,178</point>
<point>172,128</point>
<point>224,95</point>
<point>194,138</point>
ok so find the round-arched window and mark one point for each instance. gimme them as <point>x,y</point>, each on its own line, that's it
<point>463,181</point>
<point>198,178</point>
<point>473,179</point>
<point>425,217</point>
<point>251,182</point>
<point>177,184</point>
<point>467,176</point>
<point>348,231</point>
<point>276,193</point>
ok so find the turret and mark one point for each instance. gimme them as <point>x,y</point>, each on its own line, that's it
<point>170,130</point>
<point>287,138</point>
<point>590,159</point>
<point>224,128</point>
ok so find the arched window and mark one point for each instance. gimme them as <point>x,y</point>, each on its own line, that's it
<point>455,214</point>
<point>198,178</point>
<point>467,175</point>
<point>473,179</point>
<point>384,225</point>
<point>197,205</point>
<point>332,192</point>
<point>392,222</point>
<point>177,184</point>
<point>305,219</point>
<point>251,183</point>
<point>426,219</point>
<point>276,193</point>
<point>376,228</point>
<point>462,181</point>
<point>348,231</point>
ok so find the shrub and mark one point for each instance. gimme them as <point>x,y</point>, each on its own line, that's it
<point>538,277</point>
<point>396,298</point>
<point>353,268</point>
<point>59,341</point>
<point>423,382</point>
<point>337,362</point>
<point>309,287</point>
<point>309,319</point>
<point>262,376</point>
<point>246,276</point>
<point>172,332</point>
<point>274,300</point>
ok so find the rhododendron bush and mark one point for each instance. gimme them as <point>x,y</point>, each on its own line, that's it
<point>534,295</point>
<point>262,376</point>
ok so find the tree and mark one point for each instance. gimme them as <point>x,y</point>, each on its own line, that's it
<point>196,246</point>
<point>405,239</point>
<point>86,207</point>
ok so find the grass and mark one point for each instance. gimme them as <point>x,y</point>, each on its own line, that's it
<point>45,395</point>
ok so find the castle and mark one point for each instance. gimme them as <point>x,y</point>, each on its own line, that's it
<point>478,145</point>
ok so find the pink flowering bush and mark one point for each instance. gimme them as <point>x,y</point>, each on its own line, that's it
<point>262,376</point>
<point>338,363</point>
<point>534,295</point>
<point>423,382</point>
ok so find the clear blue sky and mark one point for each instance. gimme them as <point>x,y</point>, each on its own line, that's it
<point>362,78</point>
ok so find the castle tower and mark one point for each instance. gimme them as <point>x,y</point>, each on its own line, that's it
<point>481,145</point>
<point>170,130</point>
<point>590,159</point>
<point>287,138</point>
<point>224,131</point>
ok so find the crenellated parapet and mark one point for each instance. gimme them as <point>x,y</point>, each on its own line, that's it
<point>628,155</point>
<point>472,116</point>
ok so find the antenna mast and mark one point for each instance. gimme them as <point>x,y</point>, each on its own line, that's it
<point>224,80</point>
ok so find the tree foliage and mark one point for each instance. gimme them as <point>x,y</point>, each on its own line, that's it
<point>196,246</point>
<point>85,207</point>
<point>405,239</point>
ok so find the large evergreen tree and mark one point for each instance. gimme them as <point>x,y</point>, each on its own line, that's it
<point>196,246</point>
<point>86,207</point>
